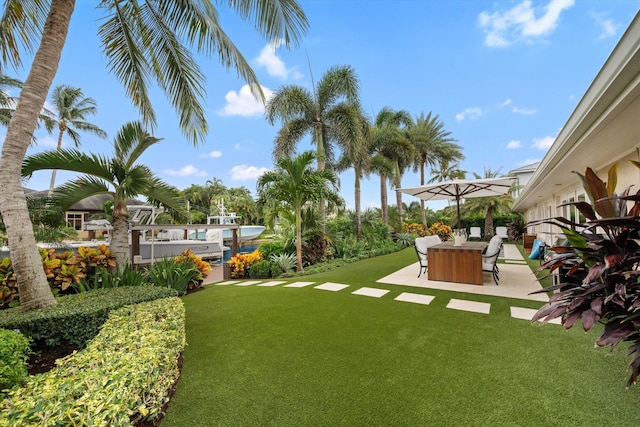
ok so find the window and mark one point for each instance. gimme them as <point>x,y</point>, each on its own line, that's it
<point>74,220</point>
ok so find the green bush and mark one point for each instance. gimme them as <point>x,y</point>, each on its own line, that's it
<point>14,352</point>
<point>268,249</point>
<point>76,318</point>
<point>176,274</point>
<point>276,270</point>
<point>286,262</point>
<point>260,269</point>
<point>120,379</point>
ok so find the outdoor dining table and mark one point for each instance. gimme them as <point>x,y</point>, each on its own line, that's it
<point>460,264</point>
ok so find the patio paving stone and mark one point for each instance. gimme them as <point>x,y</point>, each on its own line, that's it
<point>415,298</point>
<point>370,292</point>
<point>473,306</point>
<point>248,283</point>
<point>330,286</point>
<point>527,314</point>
<point>272,283</point>
<point>226,282</point>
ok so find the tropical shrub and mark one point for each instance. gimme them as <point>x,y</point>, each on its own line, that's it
<point>286,262</point>
<point>201,268</point>
<point>173,273</point>
<point>120,379</point>
<point>316,248</point>
<point>260,269</point>
<point>240,264</point>
<point>14,352</point>
<point>268,249</point>
<point>600,280</point>
<point>76,318</point>
<point>276,270</point>
<point>442,230</point>
<point>404,239</point>
<point>414,228</point>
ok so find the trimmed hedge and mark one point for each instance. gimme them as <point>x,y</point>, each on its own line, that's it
<point>76,319</point>
<point>14,352</point>
<point>121,378</point>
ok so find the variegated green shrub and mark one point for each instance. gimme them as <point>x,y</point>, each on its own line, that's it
<point>120,378</point>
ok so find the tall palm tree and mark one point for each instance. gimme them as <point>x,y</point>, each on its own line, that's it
<point>433,144</point>
<point>355,154</point>
<point>120,176</point>
<point>294,184</point>
<point>324,113</point>
<point>390,141</point>
<point>71,109</point>
<point>142,41</point>
<point>446,171</point>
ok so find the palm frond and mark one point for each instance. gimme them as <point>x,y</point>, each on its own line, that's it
<point>20,29</point>
<point>73,191</point>
<point>68,159</point>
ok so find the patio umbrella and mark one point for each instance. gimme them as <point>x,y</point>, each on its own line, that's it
<point>460,189</point>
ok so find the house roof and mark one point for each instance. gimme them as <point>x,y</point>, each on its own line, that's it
<point>602,128</point>
<point>527,168</point>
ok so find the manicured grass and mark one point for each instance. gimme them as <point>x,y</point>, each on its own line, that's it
<point>302,356</point>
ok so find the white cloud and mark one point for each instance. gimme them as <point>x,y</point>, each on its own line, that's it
<point>243,103</point>
<point>512,145</point>
<point>188,170</point>
<point>274,65</point>
<point>502,29</point>
<point>49,141</point>
<point>213,155</point>
<point>543,143</point>
<point>246,172</point>
<point>471,113</point>
<point>505,103</point>
<point>526,111</point>
<point>608,26</point>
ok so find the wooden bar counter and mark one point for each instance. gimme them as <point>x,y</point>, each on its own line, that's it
<point>460,264</point>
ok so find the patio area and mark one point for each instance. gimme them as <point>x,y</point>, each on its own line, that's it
<point>516,279</point>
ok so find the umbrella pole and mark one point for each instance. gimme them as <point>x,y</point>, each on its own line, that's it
<point>458,207</point>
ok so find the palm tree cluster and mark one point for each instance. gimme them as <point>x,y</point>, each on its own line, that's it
<point>388,146</point>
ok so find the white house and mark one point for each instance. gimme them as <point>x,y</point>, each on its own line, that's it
<point>603,129</point>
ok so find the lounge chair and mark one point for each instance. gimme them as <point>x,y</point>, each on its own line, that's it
<point>475,233</point>
<point>422,244</point>
<point>490,257</point>
<point>502,232</point>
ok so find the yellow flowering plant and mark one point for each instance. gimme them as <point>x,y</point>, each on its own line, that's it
<point>241,263</point>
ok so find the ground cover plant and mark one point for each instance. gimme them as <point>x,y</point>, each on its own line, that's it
<point>288,356</point>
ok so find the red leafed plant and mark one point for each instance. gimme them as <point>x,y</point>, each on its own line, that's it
<point>600,265</point>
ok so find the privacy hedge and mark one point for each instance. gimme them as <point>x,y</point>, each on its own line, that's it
<point>77,318</point>
<point>120,378</point>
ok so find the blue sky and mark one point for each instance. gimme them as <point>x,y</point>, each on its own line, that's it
<point>503,76</point>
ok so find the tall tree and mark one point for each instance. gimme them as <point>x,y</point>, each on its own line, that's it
<point>355,154</point>
<point>119,176</point>
<point>70,111</point>
<point>294,184</point>
<point>390,141</point>
<point>324,113</point>
<point>447,170</point>
<point>142,41</point>
<point>432,144</point>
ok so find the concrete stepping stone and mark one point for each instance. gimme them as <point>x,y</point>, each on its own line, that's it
<point>272,283</point>
<point>528,313</point>
<point>298,284</point>
<point>227,282</point>
<point>330,286</point>
<point>370,292</point>
<point>473,306</point>
<point>248,283</point>
<point>415,298</point>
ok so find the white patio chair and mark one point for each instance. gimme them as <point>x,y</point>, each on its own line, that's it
<point>490,258</point>
<point>475,233</point>
<point>422,244</point>
<point>502,232</point>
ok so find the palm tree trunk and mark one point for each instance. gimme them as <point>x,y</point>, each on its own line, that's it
<point>299,238</point>
<point>119,244</point>
<point>52,184</point>
<point>33,289</point>
<point>423,213</point>
<point>488,223</point>
<point>399,197</point>
<point>321,164</point>
<point>383,198</point>
<point>357,202</point>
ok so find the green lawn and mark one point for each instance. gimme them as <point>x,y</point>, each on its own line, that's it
<point>301,356</point>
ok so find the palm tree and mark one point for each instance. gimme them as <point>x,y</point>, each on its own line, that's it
<point>71,109</point>
<point>142,41</point>
<point>433,144</point>
<point>488,206</point>
<point>294,184</point>
<point>389,140</point>
<point>355,154</point>
<point>120,176</point>
<point>324,113</point>
<point>447,170</point>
